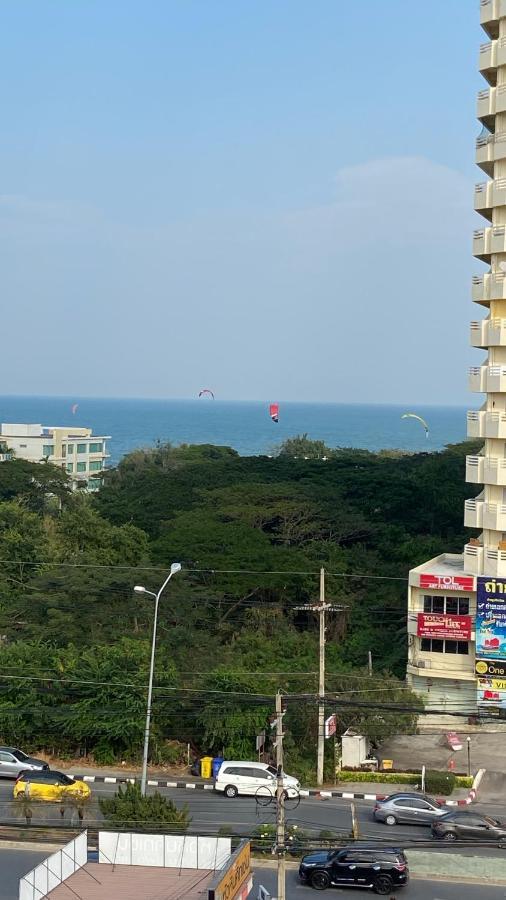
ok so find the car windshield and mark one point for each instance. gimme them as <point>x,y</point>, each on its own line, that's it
<point>65,779</point>
<point>272,770</point>
<point>19,755</point>
<point>491,821</point>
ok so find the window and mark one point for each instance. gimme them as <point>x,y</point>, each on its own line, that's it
<point>81,467</point>
<point>6,757</point>
<point>81,448</point>
<point>96,448</point>
<point>70,467</point>
<point>70,449</point>
<point>96,466</point>
<point>47,449</point>
<point>456,606</point>
<point>433,645</point>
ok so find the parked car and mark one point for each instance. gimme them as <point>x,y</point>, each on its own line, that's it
<point>255,778</point>
<point>383,870</point>
<point>408,808</point>
<point>14,761</point>
<point>467,825</point>
<point>51,786</point>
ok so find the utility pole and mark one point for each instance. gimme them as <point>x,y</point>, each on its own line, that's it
<point>321,684</point>
<point>280,800</point>
<point>321,608</point>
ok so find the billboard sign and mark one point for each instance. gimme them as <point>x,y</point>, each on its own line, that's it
<point>490,668</point>
<point>434,625</point>
<point>491,618</point>
<point>447,582</point>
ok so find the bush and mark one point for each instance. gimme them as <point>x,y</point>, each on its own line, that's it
<point>381,777</point>
<point>128,809</point>
<point>439,782</point>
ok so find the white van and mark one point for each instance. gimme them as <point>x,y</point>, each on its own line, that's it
<point>254,778</point>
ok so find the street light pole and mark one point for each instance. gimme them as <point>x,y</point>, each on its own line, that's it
<point>139,589</point>
<point>468,755</point>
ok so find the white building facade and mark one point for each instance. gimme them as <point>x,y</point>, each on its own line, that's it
<point>457,603</point>
<point>76,450</point>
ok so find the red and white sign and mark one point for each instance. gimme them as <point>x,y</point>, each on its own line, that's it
<point>447,582</point>
<point>330,726</point>
<point>436,625</point>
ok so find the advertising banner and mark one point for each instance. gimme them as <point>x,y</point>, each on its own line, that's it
<point>330,726</point>
<point>490,668</point>
<point>436,625</point>
<point>447,582</point>
<point>491,692</point>
<point>491,618</point>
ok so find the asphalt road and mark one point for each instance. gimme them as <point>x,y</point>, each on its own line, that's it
<point>416,889</point>
<point>13,865</point>
<point>209,811</point>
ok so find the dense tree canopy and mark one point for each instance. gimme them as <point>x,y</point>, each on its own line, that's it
<point>252,534</point>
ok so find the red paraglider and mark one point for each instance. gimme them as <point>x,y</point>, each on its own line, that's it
<point>206,391</point>
<point>274,412</point>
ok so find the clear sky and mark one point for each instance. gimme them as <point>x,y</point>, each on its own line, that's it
<point>272,198</point>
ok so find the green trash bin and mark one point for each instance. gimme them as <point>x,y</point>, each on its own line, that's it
<point>206,766</point>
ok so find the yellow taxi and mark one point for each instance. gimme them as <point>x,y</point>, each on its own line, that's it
<point>51,786</point>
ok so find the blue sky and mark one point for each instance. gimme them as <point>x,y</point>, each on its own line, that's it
<point>273,199</point>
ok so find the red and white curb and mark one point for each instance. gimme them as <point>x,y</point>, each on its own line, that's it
<point>311,792</point>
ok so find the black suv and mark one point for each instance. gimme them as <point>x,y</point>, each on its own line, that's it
<point>382,869</point>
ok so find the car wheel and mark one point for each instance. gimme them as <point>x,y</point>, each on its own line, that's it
<point>383,884</point>
<point>320,881</point>
<point>230,791</point>
<point>390,820</point>
<point>449,836</point>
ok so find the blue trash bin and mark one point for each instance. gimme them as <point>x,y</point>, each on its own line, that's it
<point>217,761</point>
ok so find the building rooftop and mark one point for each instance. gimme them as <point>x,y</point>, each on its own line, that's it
<point>445,566</point>
<point>102,881</point>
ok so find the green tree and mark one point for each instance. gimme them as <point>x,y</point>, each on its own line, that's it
<point>130,811</point>
<point>302,447</point>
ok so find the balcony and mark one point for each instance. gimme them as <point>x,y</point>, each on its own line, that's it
<point>492,54</point>
<point>473,559</point>
<point>490,102</point>
<point>489,240</point>
<point>478,377</point>
<point>479,333</point>
<point>496,332</point>
<point>474,470</point>
<point>494,517</point>
<point>494,470</point>
<point>487,287</point>
<point>488,194</point>
<point>489,149</point>
<point>484,424</point>
<point>473,513</point>
<point>490,13</point>
<point>495,379</point>
<point>494,562</point>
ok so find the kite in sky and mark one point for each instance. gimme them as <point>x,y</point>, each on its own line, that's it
<point>206,392</point>
<point>274,412</point>
<point>419,418</point>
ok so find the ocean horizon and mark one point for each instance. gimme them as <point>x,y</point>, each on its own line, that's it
<point>244,425</point>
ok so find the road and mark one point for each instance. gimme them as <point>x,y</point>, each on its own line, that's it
<point>210,811</point>
<point>416,889</point>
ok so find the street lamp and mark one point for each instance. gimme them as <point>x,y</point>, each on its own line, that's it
<point>139,589</point>
<point>468,755</point>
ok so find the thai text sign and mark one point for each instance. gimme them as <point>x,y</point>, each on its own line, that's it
<point>330,726</point>
<point>228,884</point>
<point>491,618</point>
<point>447,582</point>
<point>435,625</point>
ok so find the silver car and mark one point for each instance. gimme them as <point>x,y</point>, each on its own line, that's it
<point>13,761</point>
<point>408,808</point>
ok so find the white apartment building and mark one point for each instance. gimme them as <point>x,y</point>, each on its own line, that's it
<point>77,450</point>
<point>456,614</point>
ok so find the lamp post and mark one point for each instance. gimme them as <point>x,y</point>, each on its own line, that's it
<point>139,589</point>
<point>468,755</point>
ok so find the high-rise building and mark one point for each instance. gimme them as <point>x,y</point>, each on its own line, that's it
<point>456,615</point>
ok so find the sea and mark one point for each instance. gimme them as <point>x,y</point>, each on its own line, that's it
<point>245,426</point>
